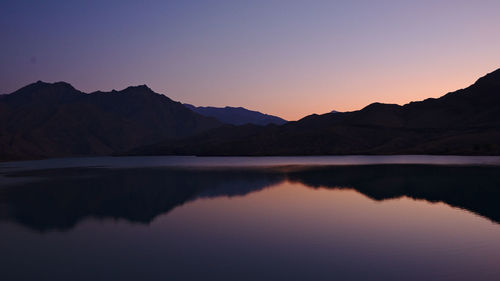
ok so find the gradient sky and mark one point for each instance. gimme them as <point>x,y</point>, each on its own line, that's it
<point>289,58</point>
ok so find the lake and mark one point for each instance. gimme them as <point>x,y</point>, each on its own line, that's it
<point>251,218</point>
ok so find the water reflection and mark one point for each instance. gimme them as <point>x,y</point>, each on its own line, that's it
<point>60,198</point>
<point>63,197</point>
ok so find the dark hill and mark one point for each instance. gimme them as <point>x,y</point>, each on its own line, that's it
<point>56,120</point>
<point>465,122</point>
<point>237,115</point>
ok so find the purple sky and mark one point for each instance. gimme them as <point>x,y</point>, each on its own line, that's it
<point>289,58</point>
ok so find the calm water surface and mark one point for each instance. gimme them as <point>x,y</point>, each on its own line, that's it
<point>276,218</point>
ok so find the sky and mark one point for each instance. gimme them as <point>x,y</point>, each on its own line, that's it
<point>288,58</point>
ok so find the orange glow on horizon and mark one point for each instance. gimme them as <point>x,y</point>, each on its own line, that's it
<point>293,103</point>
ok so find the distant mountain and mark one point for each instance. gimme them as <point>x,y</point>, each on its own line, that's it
<point>56,120</point>
<point>465,122</point>
<point>237,115</point>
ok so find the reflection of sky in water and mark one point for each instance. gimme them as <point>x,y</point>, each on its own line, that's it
<point>285,232</point>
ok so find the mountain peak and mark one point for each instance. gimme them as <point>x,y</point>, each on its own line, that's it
<point>40,83</point>
<point>46,89</point>
<point>139,89</point>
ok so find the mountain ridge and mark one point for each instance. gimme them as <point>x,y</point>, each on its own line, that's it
<point>44,120</point>
<point>463,122</point>
<point>236,115</point>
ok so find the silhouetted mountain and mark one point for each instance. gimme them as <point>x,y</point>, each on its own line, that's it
<point>465,122</point>
<point>237,115</point>
<point>60,198</point>
<point>53,120</point>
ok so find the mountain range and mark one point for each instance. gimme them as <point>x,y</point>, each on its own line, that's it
<point>45,120</point>
<point>464,122</point>
<point>236,115</point>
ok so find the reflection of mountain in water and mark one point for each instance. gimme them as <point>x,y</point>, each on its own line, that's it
<point>66,196</point>
<point>475,188</point>
<point>137,195</point>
